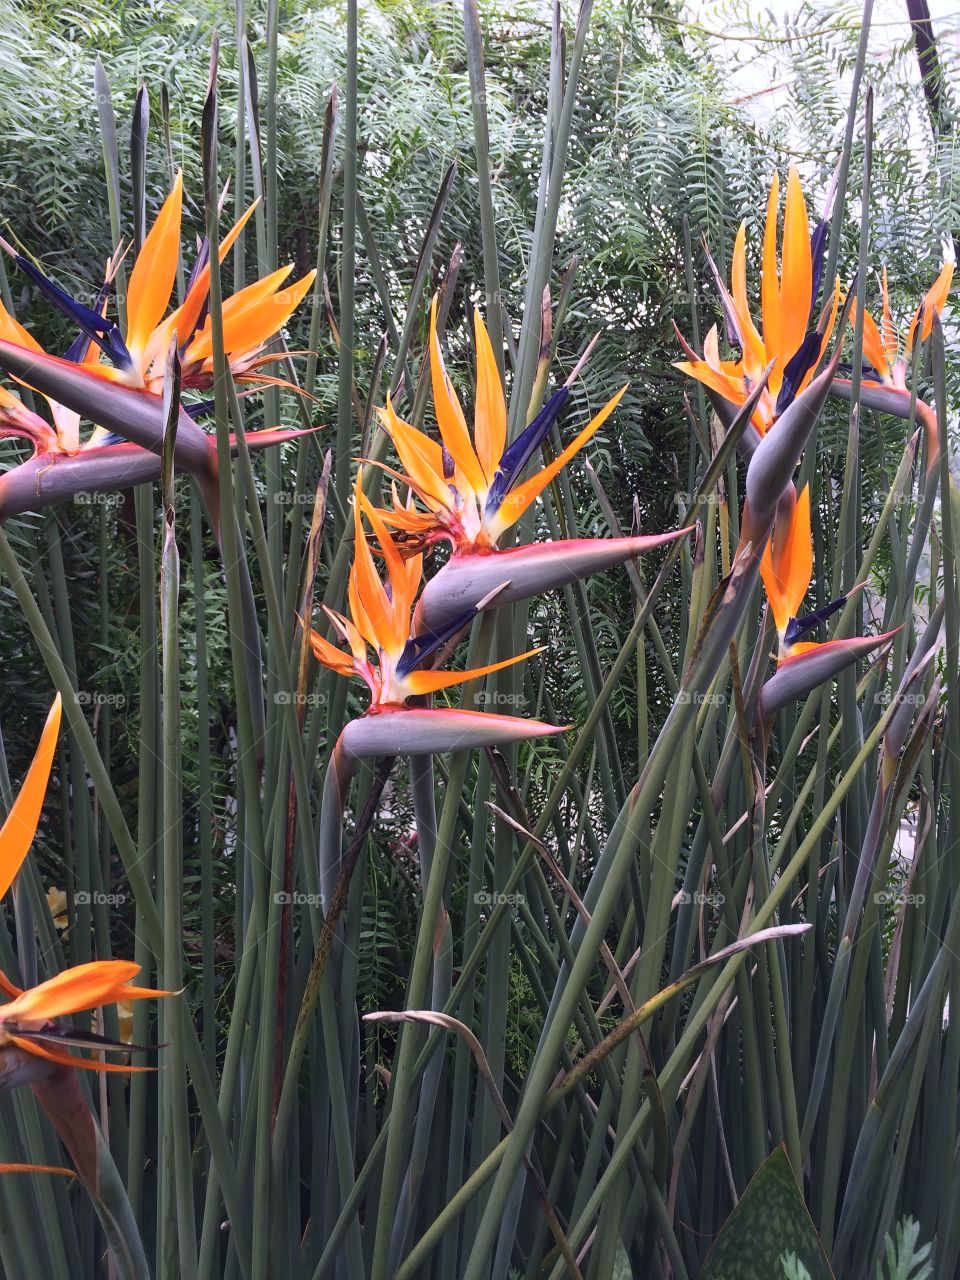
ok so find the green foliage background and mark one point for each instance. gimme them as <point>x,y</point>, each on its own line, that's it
<point>663,150</point>
<point>659,140</point>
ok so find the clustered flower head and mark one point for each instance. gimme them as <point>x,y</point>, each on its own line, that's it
<point>787,338</point>
<point>115,379</point>
<point>28,1020</point>
<point>382,651</point>
<point>881,343</point>
<point>788,350</point>
<point>472,487</point>
<point>787,569</point>
<point>136,357</point>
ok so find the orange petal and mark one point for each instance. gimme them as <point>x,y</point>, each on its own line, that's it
<point>421,457</point>
<point>490,410</point>
<point>801,647</point>
<point>20,827</point>
<point>127,992</point>
<point>450,419</point>
<point>403,575</point>
<point>396,572</point>
<point>252,315</point>
<point>933,303</point>
<point>732,389</point>
<point>258,325</point>
<point>873,345</point>
<point>408,520</point>
<point>770,292</point>
<point>787,564</point>
<point>404,478</point>
<point>252,295</point>
<point>521,497</point>
<point>351,634</point>
<point>85,986</point>
<point>68,1059</point>
<point>420,682</point>
<point>154,272</point>
<point>329,655</point>
<point>357,612</point>
<point>375,605</point>
<point>754,355</point>
<point>711,356</point>
<point>772,587</point>
<point>796,269</point>
<point>11,330</point>
<point>889,332</point>
<point>184,319</point>
<point>796,567</point>
<point>711,348</point>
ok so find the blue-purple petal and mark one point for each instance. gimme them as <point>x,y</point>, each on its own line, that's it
<point>419,648</point>
<point>517,455</point>
<point>78,348</point>
<point>92,325</point>
<point>797,628</point>
<point>818,248</point>
<point>797,368</point>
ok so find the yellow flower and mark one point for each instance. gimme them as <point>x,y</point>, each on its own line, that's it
<point>57,904</point>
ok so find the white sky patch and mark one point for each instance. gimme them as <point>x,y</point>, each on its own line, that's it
<point>756,72</point>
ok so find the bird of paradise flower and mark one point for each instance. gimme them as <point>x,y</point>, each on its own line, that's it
<point>389,659</point>
<point>115,379</point>
<point>27,1020</point>
<point>883,385</point>
<point>38,1050</point>
<point>473,490</point>
<point>787,570</point>
<point>787,339</point>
